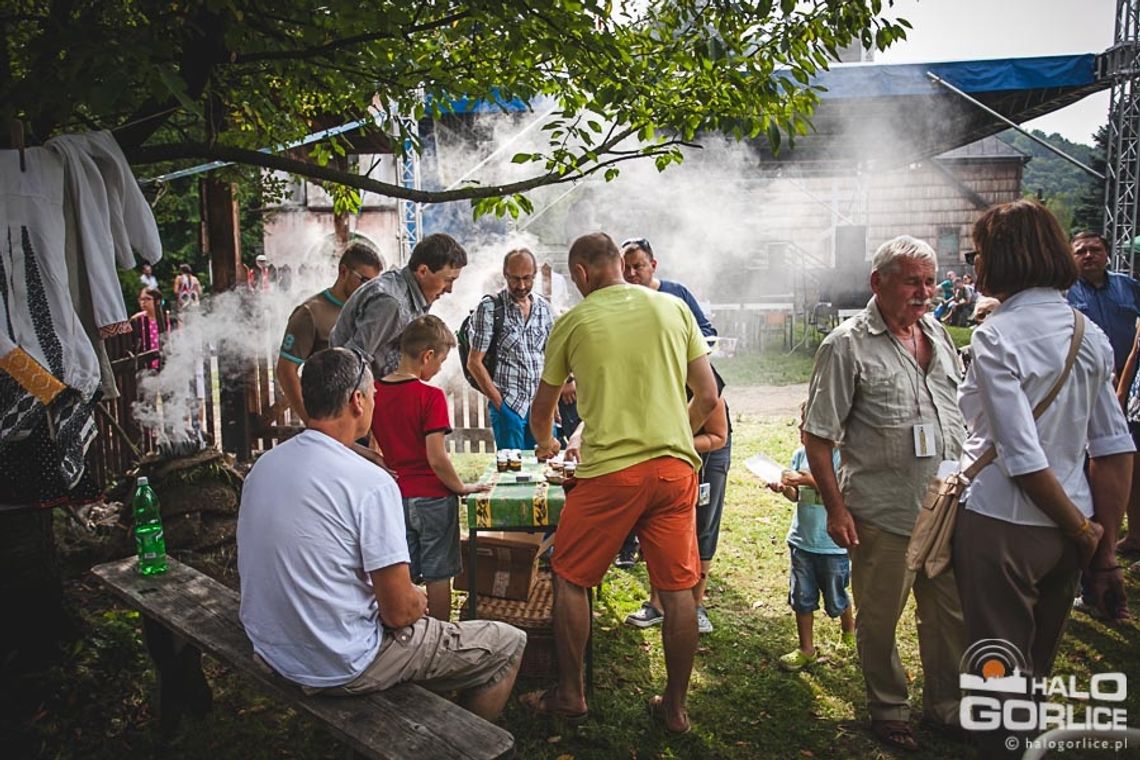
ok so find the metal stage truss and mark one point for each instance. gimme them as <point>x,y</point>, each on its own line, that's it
<point>1121,64</point>
<point>411,216</point>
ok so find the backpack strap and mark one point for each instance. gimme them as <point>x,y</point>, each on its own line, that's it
<point>499,317</point>
<point>1074,347</point>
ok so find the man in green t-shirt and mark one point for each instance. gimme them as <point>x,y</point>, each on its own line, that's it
<point>632,350</point>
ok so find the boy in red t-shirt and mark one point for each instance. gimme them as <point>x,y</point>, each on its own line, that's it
<point>409,422</point>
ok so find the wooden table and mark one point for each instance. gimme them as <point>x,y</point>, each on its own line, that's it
<point>526,507</point>
<point>510,505</point>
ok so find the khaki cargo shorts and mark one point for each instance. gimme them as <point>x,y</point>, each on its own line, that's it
<point>440,656</point>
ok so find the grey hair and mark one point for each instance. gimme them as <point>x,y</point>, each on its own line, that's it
<point>328,380</point>
<point>904,246</point>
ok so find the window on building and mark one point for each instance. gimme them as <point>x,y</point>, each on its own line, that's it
<point>948,245</point>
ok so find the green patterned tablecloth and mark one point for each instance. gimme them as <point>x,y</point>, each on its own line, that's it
<point>512,505</point>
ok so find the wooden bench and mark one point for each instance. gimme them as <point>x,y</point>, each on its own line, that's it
<point>186,613</point>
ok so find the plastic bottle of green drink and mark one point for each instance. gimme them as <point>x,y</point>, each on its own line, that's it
<point>148,530</point>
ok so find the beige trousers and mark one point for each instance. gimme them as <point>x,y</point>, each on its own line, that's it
<point>882,583</point>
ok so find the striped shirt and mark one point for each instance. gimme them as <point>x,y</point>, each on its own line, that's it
<point>522,343</point>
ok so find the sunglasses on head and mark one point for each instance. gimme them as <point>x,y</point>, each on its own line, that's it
<point>641,243</point>
<point>363,366</point>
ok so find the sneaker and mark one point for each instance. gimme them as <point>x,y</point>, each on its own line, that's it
<point>797,660</point>
<point>626,559</point>
<point>704,625</point>
<point>645,617</point>
<point>848,640</point>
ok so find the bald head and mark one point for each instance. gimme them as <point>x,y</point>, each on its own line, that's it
<point>595,262</point>
<point>595,250</point>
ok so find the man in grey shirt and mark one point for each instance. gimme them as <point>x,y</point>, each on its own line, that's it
<point>376,314</point>
<point>884,390</point>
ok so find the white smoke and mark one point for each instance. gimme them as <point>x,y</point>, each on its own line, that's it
<point>234,328</point>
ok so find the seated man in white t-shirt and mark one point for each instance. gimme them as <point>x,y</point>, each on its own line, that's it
<point>326,595</point>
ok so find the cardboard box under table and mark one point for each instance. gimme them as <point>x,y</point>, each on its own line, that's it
<point>506,566</point>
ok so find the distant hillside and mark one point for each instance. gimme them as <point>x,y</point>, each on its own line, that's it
<point>1070,192</point>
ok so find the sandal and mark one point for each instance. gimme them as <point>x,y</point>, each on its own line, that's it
<point>656,707</point>
<point>542,703</point>
<point>896,734</point>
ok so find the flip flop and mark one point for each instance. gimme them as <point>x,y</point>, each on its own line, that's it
<point>656,708</point>
<point>896,734</point>
<point>541,703</point>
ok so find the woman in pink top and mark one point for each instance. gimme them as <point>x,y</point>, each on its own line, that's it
<point>150,322</point>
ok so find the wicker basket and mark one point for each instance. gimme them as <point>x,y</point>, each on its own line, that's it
<point>534,617</point>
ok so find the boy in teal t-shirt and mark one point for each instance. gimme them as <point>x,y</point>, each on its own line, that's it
<point>819,565</point>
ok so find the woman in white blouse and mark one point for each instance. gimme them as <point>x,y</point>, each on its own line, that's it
<point>1033,518</point>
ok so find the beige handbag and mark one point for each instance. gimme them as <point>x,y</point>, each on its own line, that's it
<point>930,541</point>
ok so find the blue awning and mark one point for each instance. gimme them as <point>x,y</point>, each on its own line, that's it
<point>871,80</point>
<point>880,116</point>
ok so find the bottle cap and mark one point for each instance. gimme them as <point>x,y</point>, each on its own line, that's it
<point>142,481</point>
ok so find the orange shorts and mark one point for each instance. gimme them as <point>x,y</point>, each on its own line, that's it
<point>656,499</point>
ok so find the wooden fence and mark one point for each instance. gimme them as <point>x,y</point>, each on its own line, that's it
<point>121,442</point>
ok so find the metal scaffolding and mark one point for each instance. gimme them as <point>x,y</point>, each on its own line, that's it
<point>1122,157</point>
<point>411,215</point>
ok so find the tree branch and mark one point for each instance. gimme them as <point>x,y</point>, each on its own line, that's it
<point>181,151</point>
<point>334,45</point>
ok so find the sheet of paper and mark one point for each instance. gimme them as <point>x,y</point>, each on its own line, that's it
<point>768,470</point>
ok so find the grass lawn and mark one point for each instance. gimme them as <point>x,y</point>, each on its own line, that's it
<point>741,703</point>
<point>960,335</point>
<point>769,368</point>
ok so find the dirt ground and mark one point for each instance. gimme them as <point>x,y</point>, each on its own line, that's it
<point>766,400</point>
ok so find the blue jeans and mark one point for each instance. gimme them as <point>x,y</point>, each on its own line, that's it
<point>511,430</point>
<point>715,473</point>
<point>819,574</point>
<point>431,525</point>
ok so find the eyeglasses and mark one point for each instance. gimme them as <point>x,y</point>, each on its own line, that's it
<point>970,256</point>
<point>363,279</point>
<point>641,243</point>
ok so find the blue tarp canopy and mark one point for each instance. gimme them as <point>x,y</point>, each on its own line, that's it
<point>1001,75</point>
<point>884,115</point>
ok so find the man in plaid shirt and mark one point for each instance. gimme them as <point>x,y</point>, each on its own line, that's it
<point>519,346</point>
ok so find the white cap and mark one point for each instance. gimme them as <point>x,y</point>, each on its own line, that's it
<point>143,481</point>
<point>261,257</point>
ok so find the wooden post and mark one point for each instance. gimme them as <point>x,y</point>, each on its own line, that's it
<point>222,241</point>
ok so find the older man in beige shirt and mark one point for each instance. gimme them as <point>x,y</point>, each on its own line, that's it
<point>884,390</point>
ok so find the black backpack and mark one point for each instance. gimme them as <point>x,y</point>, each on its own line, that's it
<point>463,338</point>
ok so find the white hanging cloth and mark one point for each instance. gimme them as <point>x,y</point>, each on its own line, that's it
<point>132,223</point>
<point>43,347</point>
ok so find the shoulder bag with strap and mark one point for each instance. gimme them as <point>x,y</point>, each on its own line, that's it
<point>929,548</point>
